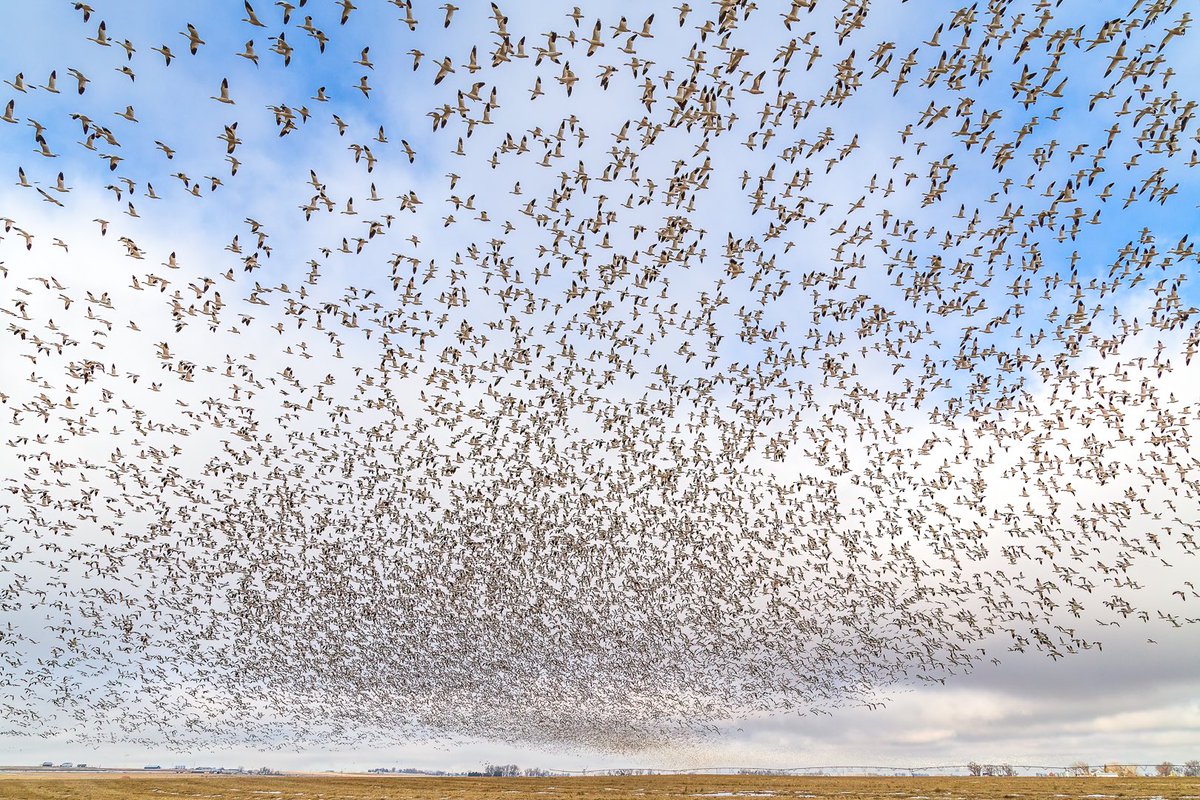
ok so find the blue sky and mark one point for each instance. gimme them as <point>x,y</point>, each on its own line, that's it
<point>880,337</point>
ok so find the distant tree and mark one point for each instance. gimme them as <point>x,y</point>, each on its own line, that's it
<point>501,770</point>
<point>1164,769</point>
<point>1007,770</point>
<point>1191,769</point>
<point>989,770</point>
<point>975,768</point>
<point>1079,769</point>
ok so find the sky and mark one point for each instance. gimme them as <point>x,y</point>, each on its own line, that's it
<point>1099,708</point>
<point>849,322</point>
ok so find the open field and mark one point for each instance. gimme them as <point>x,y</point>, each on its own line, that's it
<point>138,786</point>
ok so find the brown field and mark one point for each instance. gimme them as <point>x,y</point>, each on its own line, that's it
<point>140,786</point>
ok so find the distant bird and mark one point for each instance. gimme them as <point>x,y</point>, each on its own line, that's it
<point>249,54</point>
<point>193,37</point>
<point>252,18</point>
<point>224,96</point>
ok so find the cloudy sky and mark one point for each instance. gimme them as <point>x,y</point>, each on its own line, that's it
<point>1125,704</point>
<point>187,181</point>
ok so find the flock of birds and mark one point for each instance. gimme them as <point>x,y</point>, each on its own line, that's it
<point>584,379</point>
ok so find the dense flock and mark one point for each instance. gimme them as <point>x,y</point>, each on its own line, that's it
<point>583,375</point>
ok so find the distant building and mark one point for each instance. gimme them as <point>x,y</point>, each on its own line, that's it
<point>152,766</point>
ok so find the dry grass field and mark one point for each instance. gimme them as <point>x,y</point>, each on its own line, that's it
<point>138,786</point>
